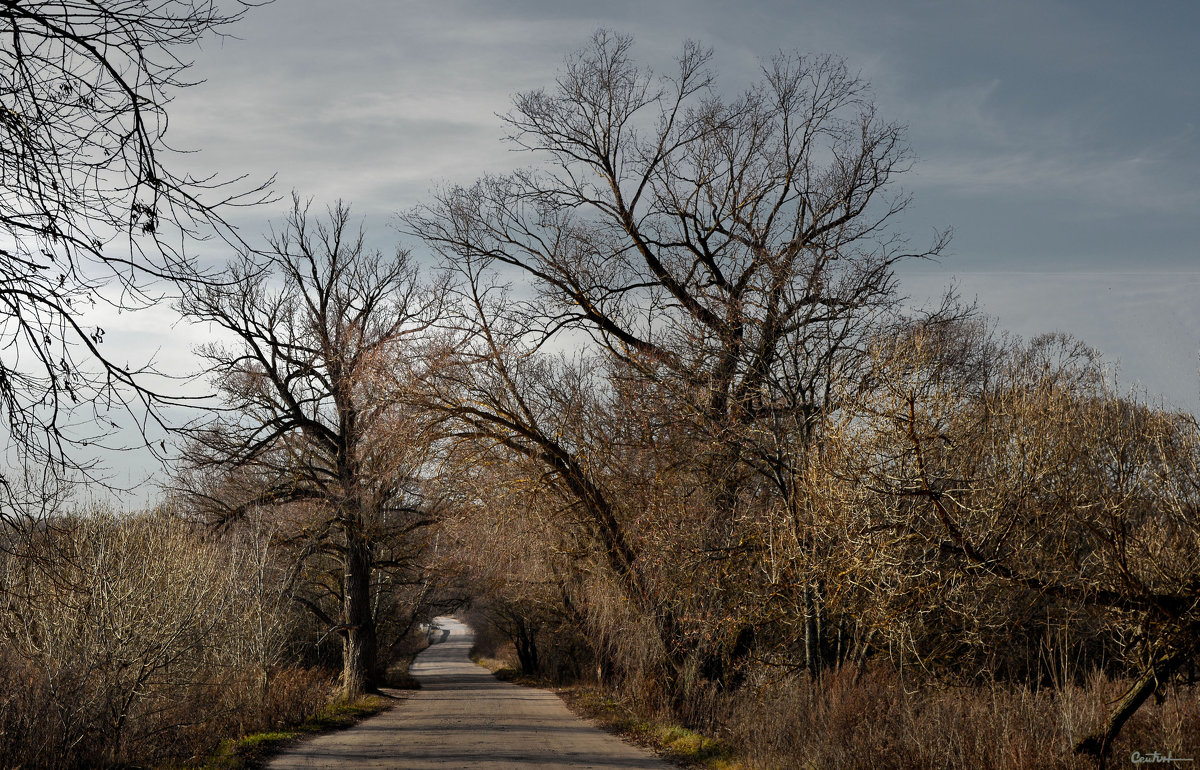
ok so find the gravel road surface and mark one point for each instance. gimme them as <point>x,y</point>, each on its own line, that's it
<point>463,717</point>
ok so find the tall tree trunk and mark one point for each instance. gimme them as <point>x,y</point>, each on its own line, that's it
<point>358,640</point>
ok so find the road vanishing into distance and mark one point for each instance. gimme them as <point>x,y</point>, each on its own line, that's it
<point>462,717</point>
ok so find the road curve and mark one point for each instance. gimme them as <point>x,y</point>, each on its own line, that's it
<point>462,717</point>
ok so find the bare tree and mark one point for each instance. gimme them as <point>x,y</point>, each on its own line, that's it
<point>312,422</point>
<point>93,210</point>
<point>740,247</point>
<point>724,263</point>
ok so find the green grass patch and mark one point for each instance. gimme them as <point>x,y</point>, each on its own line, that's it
<point>341,714</point>
<point>673,742</point>
<point>252,751</point>
<point>693,748</point>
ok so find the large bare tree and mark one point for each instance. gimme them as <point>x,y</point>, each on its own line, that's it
<point>311,421</point>
<point>738,245</point>
<point>721,262</point>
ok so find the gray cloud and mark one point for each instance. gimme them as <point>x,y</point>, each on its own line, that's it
<point>1147,323</point>
<point>1055,135</point>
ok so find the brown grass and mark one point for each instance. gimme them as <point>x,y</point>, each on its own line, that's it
<point>869,721</point>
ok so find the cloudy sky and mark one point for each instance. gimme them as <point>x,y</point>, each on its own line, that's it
<point>1059,138</point>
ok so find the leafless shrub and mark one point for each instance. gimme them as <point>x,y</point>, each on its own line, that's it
<point>294,694</point>
<point>135,638</point>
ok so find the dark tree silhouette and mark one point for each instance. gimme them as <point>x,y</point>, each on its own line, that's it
<point>313,422</point>
<point>93,210</point>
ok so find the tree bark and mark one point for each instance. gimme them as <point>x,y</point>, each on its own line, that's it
<point>525,640</point>
<point>358,639</point>
<point>1099,744</point>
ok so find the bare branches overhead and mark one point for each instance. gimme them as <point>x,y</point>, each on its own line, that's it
<point>730,241</point>
<point>93,207</point>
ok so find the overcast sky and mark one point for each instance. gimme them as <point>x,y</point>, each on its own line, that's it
<point>1058,139</point>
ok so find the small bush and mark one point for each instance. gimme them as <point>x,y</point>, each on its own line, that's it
<point>294,694</point>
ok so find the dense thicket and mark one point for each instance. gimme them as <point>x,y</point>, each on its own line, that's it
<point>134,639</point>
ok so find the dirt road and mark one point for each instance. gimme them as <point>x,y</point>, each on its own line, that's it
<point>463,717</point>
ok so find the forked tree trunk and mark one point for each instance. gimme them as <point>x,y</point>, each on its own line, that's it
<point>358,639</point>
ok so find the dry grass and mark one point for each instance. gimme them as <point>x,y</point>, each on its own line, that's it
<point>169,725</point>
<point>869,721</point>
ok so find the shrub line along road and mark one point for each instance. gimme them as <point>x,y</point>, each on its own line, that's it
<point>463,717</point>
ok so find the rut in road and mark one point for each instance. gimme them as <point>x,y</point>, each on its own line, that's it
<point>462,717</point>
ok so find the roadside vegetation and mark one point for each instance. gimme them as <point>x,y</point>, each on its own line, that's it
<point>709,460</point>
<point>255,749</point>
<point>144,639</point>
